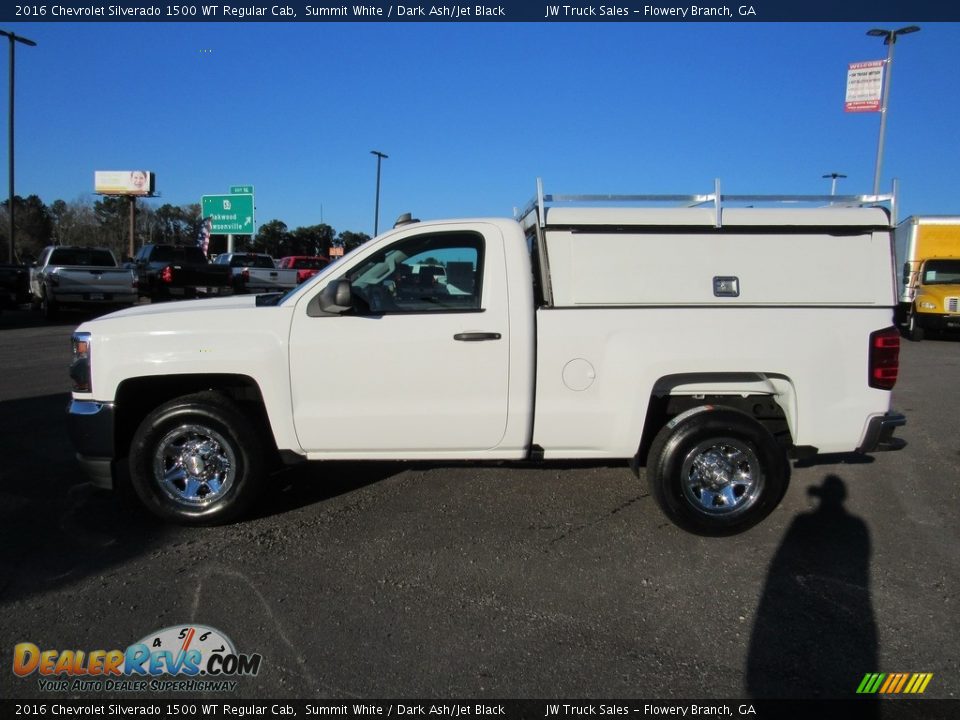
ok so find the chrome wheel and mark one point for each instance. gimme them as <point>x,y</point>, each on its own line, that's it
<point>722,476</point>
<point>194,465</point>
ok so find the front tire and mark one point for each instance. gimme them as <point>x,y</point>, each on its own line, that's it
<point>914,331</point>
<point>48,307</point>
<point>197,460</point>
<point>716,471</point>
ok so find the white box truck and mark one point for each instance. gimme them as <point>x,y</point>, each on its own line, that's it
<point>708,343</point>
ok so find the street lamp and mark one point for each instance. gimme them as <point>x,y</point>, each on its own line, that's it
<point>376,212</point>
<point>833,181</point>
<point>14,39</point>
<point>889,39</point>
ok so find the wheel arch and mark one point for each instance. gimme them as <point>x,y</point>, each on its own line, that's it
<point>767,397</point>
<point>137,397</point>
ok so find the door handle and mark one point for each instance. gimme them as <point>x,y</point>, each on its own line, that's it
<point>476,336</point>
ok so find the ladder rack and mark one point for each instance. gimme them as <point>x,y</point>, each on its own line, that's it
<point>717,199</point>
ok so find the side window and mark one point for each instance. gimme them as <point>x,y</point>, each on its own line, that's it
<point>440,272</point>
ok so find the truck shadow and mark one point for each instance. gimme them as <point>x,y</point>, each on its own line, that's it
<point>834,459</point>
<point>314,482</point>
<point>55,528</point>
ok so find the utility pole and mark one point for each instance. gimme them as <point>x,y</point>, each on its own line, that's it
<point>889,39</point>
<point>376,212</point>
<point>14,39</point>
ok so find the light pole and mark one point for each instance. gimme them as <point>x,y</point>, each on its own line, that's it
<point>14,39</point>
<point>833,181</point>
<point>889,39</point>
<point>376,212</point>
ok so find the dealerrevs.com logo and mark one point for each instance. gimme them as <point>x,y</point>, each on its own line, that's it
<point>180,658</point>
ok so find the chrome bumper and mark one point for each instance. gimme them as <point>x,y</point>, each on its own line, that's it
<point>879,435</point>
<point>91,428</point>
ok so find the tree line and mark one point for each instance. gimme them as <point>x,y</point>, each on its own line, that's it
<point>106,223</point>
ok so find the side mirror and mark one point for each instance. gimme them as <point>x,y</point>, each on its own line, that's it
<point>336,297</point>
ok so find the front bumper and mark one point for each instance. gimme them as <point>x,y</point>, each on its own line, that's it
<point>938,321</point>
<point>879,435</point>
<point>91,429</point>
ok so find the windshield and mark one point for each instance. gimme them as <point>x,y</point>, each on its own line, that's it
<point>941,272</point>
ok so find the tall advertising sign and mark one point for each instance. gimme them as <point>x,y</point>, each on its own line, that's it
<point>124,182</point>
<point>864,86</point>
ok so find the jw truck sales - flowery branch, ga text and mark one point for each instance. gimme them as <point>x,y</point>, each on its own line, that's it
<point>447,11</point>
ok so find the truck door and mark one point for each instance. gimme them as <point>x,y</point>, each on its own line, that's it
<point>419,364</point>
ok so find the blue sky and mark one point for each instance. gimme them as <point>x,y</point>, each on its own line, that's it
<point>471,114</point>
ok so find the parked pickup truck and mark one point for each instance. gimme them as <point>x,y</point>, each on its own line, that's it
<point>306,265</point>
<point>80,278</point>
<point>257,273</point>
<point>167,272</point>
<point>710,344</point>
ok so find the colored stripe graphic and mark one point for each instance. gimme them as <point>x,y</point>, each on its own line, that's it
<point>870,683</point>
<point>894,683</point>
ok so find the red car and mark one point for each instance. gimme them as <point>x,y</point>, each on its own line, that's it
<point>306,265</point>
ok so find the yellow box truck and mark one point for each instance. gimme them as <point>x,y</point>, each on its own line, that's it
<point>927,250</point>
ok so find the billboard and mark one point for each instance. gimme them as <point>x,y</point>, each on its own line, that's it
<point>864,86</point>
<point>123,182</point>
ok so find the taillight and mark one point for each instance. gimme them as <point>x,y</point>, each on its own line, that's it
<point>245,275</point>
<point>303,275</point>
<point>166,275</point>
<point>884,358</point>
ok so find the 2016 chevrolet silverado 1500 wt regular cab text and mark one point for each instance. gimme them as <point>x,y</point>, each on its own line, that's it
<point>707,343</point>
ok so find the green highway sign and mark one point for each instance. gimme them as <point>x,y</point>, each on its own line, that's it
<point>229,214</point>
<point>241,189</point>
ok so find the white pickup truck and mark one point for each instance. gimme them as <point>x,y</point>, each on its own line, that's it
<point>80,278</point>
<point>708,343</point>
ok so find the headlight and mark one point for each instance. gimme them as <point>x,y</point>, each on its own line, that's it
<point>80,367</point>
<point>927,305</point>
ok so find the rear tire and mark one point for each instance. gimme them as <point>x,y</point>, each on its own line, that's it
<point>716,471</point>
<point>197,460</point>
